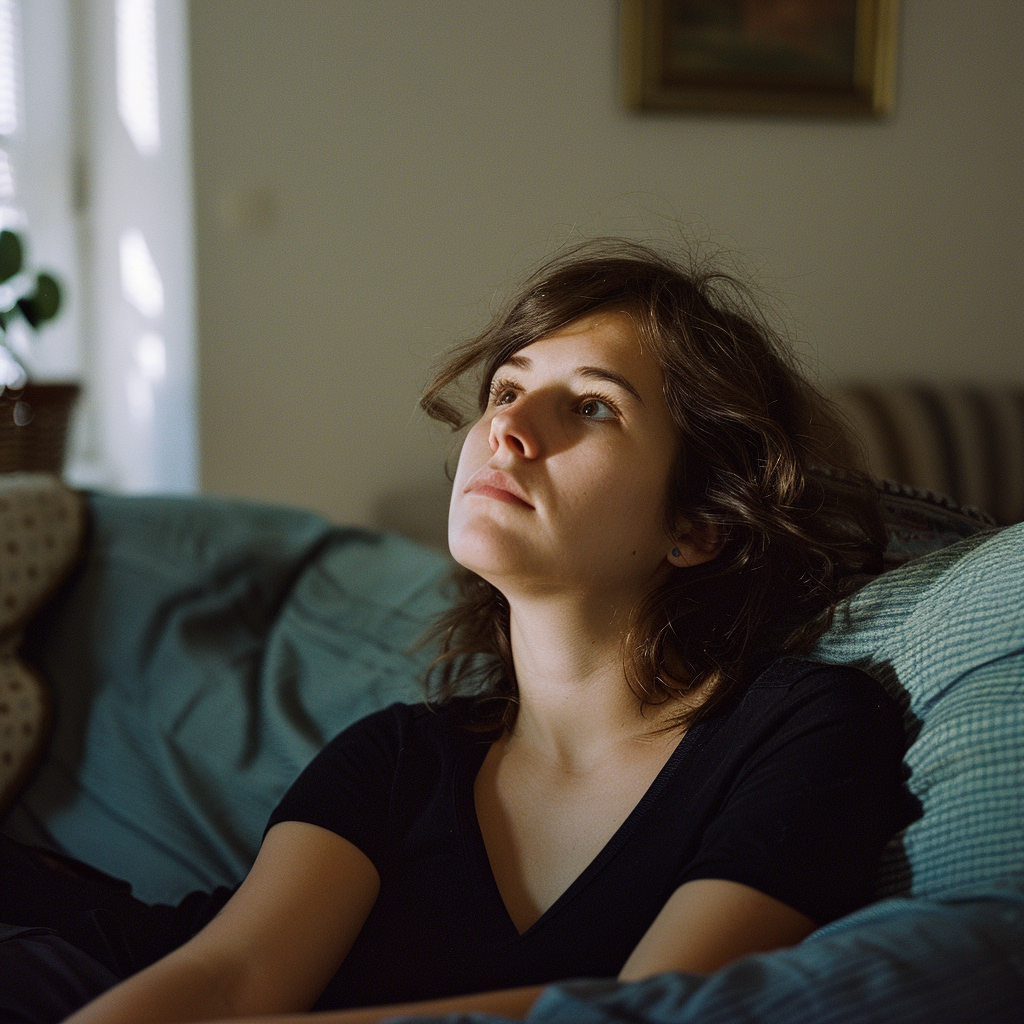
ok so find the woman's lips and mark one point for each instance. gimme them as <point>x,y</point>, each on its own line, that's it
<point>492,483</point>
<point>486,491</point>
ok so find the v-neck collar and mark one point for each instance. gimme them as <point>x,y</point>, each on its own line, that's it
<point>475,849</point>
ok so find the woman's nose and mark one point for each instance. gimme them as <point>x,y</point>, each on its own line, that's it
<point>514,428</point>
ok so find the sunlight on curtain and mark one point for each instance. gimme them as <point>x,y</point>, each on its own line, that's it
<point>10,73</point>
<point>137,96</point>
<point>140,280</point>
<point>9,58</point>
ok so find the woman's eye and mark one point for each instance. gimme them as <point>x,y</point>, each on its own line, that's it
<point>503,392</point>
<point>595,409</point>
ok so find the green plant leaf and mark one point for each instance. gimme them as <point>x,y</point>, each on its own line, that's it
<point>43,304</point>
<point>10,255</point>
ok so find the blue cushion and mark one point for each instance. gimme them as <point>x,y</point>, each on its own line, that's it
<point>946,634</point>
<point>202,654</point>
<point>957,958</point>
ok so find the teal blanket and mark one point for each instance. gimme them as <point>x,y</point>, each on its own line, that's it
<point>201,654</point>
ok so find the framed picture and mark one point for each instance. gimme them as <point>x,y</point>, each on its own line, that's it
<point>762,56</point>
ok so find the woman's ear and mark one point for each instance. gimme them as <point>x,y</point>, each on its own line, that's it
<point>695,545</point>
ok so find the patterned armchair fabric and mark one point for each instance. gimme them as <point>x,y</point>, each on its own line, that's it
<point>964,442</point>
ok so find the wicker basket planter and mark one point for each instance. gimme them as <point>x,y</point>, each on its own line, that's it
<point>34,427</point>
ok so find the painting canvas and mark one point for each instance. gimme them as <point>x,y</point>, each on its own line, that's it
<point>759,55</point>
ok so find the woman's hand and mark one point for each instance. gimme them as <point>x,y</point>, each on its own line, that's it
<point>710,922</point>
<point>273,947</point>
<point>513,1003</point>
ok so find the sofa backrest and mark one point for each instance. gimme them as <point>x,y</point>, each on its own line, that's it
<point>966,442</point>
<point>205,649</point>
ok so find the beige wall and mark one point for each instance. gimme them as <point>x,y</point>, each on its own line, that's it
<point>368,174</point>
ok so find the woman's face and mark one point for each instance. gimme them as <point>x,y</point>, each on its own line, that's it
<point>562,482</point>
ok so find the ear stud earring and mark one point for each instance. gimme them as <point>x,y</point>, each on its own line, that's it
<point>676,552</point>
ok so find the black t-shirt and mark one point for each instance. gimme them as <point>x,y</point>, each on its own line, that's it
<point>791,788</point>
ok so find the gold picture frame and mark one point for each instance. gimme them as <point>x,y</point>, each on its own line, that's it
<point>759,56</point>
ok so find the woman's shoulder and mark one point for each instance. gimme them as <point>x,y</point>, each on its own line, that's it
<point>793,670</point>
<point>371,755</point>
<point>402,724</point>
<point>803,677</point>
<point>804,693</point>
<point>794,695</point>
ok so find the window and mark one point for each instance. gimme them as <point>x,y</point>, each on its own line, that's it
<point>98,166</point>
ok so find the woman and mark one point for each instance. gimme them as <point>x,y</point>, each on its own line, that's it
<point>623,770</point>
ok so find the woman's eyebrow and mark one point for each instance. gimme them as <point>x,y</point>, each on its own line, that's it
<point>517,363</point>
<point>524,363</point>
<point>598,373</point>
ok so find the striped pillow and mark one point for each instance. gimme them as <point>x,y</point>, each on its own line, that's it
<point>961,441</point>
<point>945,633</point>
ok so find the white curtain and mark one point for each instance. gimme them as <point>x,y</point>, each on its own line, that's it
<point>122,190</point>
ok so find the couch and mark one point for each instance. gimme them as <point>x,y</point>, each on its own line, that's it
<point>966,442</point>
<point>199,651</point>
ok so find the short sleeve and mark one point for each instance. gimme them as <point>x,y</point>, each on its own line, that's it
<point>347,787</point>
<point>808,815</point>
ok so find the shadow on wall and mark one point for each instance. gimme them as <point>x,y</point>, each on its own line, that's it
<point>419,512</point>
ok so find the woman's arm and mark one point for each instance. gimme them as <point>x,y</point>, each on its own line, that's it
<point>513,1003</point>
<point>273,947</point>
<point>705,924</point>
<point>710,922</point>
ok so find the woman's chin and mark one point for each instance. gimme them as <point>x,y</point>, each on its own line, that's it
<point>486,549</point>
<point>478,558</point>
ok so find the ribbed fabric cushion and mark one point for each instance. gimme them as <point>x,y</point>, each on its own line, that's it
<point>946,634</point>
<point>965,442</point>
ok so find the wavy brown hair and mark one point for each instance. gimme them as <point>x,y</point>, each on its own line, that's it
<point>763,463</point>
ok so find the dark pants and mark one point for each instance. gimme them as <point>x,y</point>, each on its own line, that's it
<point>69,932</point>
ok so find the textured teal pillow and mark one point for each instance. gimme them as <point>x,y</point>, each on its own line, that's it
<point>946,634</point>
<point>203,653</point>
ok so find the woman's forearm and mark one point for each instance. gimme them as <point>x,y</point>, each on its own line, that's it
<point>514,1003</point>
<point>177,988</point>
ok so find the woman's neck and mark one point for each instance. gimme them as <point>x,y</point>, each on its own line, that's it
<point>575,704</point>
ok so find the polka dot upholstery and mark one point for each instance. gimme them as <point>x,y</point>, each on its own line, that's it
<point>40,533</point>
